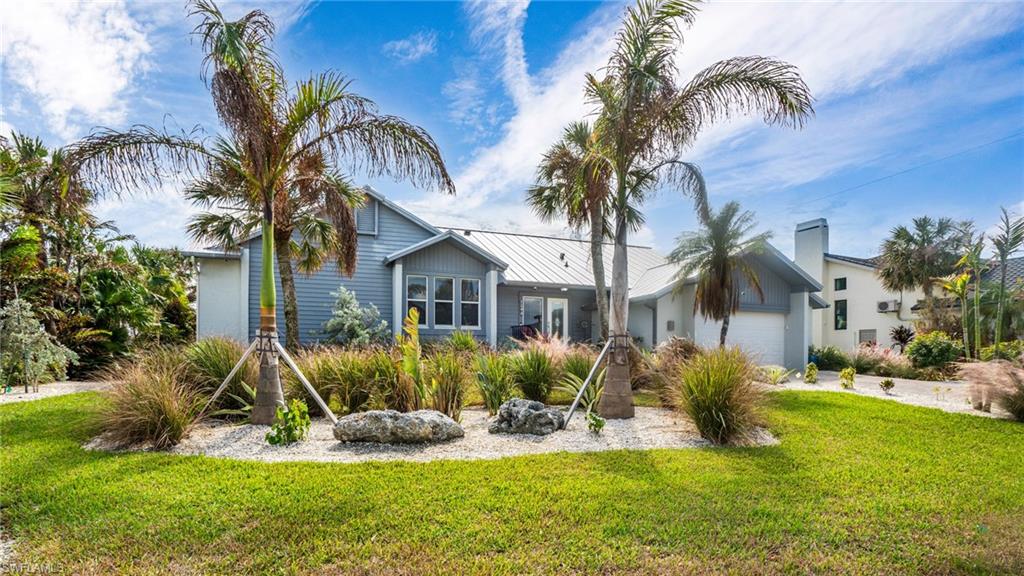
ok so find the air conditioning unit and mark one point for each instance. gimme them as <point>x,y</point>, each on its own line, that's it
<point>888,306</point>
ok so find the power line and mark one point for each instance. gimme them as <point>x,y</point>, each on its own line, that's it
<point>912,168</point>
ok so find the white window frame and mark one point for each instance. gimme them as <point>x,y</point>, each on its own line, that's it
<point>452,302</point>
<point>479,303</point>
<point>426,302</point>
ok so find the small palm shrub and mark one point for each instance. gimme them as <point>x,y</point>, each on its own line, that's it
<point>447,383</point>
<point>887,385</point>
<point>209,361</point>
<point>846,377</point>
<point>716,390</point>
<point>933,349</point>
<point>829,358</point>
<point>901,336</point>
<point>290,425</point>
<point>571,385</point>
<point>1012,351</point>
<point>460,341</point>
<point>494,378</point>
<point>534,372</point>
<point>775,375</point>
<point>151,402</point>
<point>811,373</point>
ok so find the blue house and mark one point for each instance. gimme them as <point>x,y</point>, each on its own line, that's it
<point>500,284</point>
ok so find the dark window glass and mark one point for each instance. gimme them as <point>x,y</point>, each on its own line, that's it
<point>470,315</point>
<point>443,312</point>
<point>840,313</point>
<point>840,284</point>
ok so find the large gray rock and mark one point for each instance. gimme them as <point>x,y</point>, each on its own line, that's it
<point>519,416</point>
<point>393,427</point>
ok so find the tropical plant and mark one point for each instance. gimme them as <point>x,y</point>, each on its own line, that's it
<point>811,373</point>
<point>447,384</point>
<point>718,255</point>
<point>716,390</point>
<point>829,358</point>
<point>325,370</point>
<point>462,341</point>
<point>959,285</point>
<point>573,181</point>
<point>578,362</point>
<point>933,349</point>
<point>534,372</point>
<point>974,263</point>
<point>28,355</point>
<point>572,384</point>
<point>244,401</point>
<point>495,380</point>
<point>290,425</point>
<point>280,145</point>
<point>775,375</point>
<point>412,356</point>
<point>391,387</point>
<point>1007,240</point>
<point>887,385</point>
<point>594,422</point>
<point>352,324</point>
<point>846,377</point>
<point>1012,350</point>
<point>901,336</point>
<point>209,361</point>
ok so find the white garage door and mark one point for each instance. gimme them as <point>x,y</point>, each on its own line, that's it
<point>760,334</point>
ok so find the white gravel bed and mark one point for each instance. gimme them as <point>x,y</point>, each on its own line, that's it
<point>949,396</point>
<point>651,428</point>
<point>17,393</point>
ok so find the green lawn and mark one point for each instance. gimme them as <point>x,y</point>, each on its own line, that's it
<point>857,485</point>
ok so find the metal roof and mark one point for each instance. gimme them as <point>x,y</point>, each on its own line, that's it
<point>542,260</point>
<point>212,254</point>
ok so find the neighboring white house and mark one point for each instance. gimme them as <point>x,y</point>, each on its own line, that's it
<point>859,308</point>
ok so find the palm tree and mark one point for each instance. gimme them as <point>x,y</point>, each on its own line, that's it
<point>973,263</point>
<point>572,182</point>
<point>646,121</point>
<point>959,285</point>
<point>271,132</point>
<point>717,255</point>
<point>1008,239</point>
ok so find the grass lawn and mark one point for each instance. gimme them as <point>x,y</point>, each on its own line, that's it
<point>857,485</point>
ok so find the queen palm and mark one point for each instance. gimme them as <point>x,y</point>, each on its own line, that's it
<point>1008,239</point>
<point>572,182</point>
<point>646,121</point>
<point>974,264</point>
<point>717,255</point>
<point>270,133</point>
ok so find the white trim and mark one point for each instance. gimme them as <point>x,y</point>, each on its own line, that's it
<point>426,302</point>
<point>492,307</point>
<point>397,299</point>
<point>243,279</point>
<point>478,303</point>
<point>434,302</point>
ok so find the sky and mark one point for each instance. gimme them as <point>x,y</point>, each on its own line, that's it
<point>919,107</point>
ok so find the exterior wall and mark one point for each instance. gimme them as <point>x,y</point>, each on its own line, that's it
<point>641,323</point>
<point>509,309</point>
<point>446,260</point>
<point>220,299</point>
<point>862,294</point>
<point>798,331</point>
<point>760,334</point>
<point>372,280</point>
<point>810,246</point>
<point>775,290</point>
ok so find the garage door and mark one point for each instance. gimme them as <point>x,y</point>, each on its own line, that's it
<point>760,334</point>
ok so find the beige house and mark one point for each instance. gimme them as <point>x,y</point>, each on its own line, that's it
<point>859,309</point>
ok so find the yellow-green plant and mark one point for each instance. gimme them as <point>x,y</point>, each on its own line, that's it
<point>534,373</point>
<point>447,384</point>
<point>716,390</point>
<point>494,378</point>
<point>811,373</point>
<point>846,377</point>
<point>412,356</point>
<point>290,425</point>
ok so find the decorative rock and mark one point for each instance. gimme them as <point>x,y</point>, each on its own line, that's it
<point>393,427</point>
<point>519,416</point>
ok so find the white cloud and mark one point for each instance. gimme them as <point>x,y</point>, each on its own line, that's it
<point>78,61</point>
<point>413,48</point>
<point>156,219</point>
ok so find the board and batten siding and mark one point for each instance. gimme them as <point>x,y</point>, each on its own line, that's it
<point>371,281</point>
<point>509,308</point>
<point>776,291</point>
<point>446,260</point>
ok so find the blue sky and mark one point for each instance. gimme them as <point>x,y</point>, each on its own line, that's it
<point>920,106</point>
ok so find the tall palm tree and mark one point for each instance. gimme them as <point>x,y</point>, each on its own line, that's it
<point>646,121</point>
<point>716,254</point>
<point>270,132</point>
<point>973,263</point>
<point>572,182</point>
<point>1008,239</point>
<point>959,285</point>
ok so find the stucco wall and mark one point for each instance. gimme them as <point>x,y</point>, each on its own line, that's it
<point>862,294</point>
<point>220,307</point>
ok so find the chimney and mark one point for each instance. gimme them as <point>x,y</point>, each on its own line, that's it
<point>811,245</point>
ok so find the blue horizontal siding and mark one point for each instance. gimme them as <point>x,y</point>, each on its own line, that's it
<point>450,261</point>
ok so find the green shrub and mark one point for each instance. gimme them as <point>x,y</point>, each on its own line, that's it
<point>28,354</point>
<point>534,372</point>
<point>447,383</point>
<point>846,377</point>
<point>494,378</point>
<point>209,361</point>
<point>1012,350</point>
<point>578,362</point>
<point>887,385</point>
<point>716,390</point>
<point>774,375</point>
<point>811,373</point>
<point>390,386</point>
<point>353,325</point>
<point>149,401</point>
<point>572,383</point>
<point>829,358</point>
<point>933,349</point>
<point>461,341</point>
<point>594,422</point>
<point>339,374</point>
<point>290,425</point>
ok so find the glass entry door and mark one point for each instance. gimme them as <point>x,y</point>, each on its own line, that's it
<point>533,313</point>
<point>558,317</point>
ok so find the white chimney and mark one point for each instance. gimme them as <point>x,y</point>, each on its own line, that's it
<point>811,245</point>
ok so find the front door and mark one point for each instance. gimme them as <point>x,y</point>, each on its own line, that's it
<point>558,317</point>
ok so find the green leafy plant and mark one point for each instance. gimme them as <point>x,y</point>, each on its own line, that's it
<point>534,373</point>
<point>594,422</point>
<point>28,355</point>
<point>412,356</point>
<point>571,384</point>
<point>390,387</point>
<point>353,324</point>
<point>716,390</point>
<point>462,341</point>
<point>1012,350</point>
<point>829,358</point>
<point>846,377</point>
<point>209,361</point>
<point>494,378</point>
<point>901,335</point>
<point>775,375</point>
<point>447,383</point>
<point>290,425</point>
<point>578,362</point>
<point>887,385</point>
<point>933,349</point>
<point>244,402</point>
<point>811,373</point>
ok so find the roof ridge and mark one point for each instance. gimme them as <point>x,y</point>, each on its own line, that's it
<point>539,236</point>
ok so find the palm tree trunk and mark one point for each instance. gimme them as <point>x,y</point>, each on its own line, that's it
<point>617,399</point>
<point>725,330</point>
<point>999,306</point>
<point>963,327</point>
<point>291,303</point>
<point>977,313</point>
<point>268,389</point>
<point>597,257</point>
